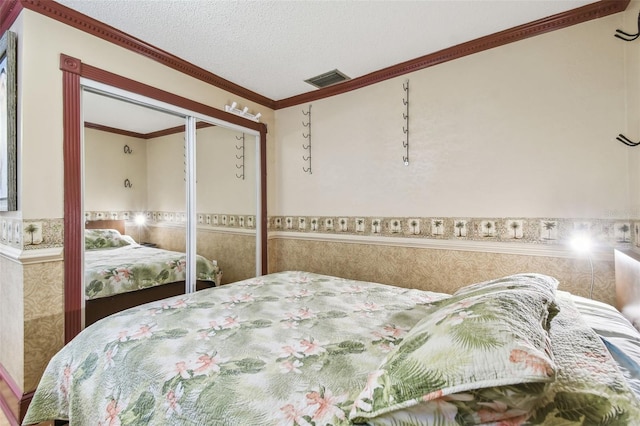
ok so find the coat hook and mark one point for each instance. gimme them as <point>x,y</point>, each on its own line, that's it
<point>307,136</point>
<point>240,157</point>
<point>127,183</point>
<point>626,36</point>
<point>405,128</point>
<point>622,138</point>
<point>127,149</point>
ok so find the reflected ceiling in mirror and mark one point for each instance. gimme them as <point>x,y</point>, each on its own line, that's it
<point>120,114</point>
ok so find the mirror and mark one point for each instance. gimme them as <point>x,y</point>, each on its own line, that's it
<point>136,178</point>
<point>226,199</point>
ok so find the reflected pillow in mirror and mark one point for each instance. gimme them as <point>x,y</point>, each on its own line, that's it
<point>95,239</point>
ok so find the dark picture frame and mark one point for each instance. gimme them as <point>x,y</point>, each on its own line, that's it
<point>8,122</point>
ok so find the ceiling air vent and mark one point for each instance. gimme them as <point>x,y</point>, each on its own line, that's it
<point>327,79</point>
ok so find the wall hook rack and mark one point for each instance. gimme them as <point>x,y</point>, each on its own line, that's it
<point>128,150</point>
<point>622,138</point>
<point>307,136</point>
<point>184,159</point>
<point>128,184</point>
<point>626,36</point>
<point>405,128</point>
<point>240,157</point>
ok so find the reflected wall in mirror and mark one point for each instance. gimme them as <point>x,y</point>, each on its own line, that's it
<point>226,199</point>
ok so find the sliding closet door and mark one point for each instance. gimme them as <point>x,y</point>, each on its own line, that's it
<point>134,177</point>
<point>226,199</point>
<point>168,178</point>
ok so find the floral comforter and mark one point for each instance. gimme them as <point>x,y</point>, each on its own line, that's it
<point>296,348</point>
<point>271,350</point>
<point>111,271</point>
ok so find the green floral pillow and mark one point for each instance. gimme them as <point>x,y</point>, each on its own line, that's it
<point>538,282</point>
<point>103,238</point>
<point>487,352</point>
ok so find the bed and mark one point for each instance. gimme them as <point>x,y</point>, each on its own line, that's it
<point>298,348</point>
<point>119,273</point>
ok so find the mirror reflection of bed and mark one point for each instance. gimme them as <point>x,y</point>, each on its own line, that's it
<point>120,273</point>
<point>136,173</point>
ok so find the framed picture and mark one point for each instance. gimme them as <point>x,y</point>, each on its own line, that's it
<point>8,122</point>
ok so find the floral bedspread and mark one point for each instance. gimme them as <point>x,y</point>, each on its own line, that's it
<point>288,348</point>
<point>133,267</point>
<point>299,349</point>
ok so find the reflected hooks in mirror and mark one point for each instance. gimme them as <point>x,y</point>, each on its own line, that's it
<point>240,157</point>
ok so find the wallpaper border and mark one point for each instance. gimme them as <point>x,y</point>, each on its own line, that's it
<point>154,217</point>
<point>614,233</point>
<point>32,234</point>
<point>39,234</point>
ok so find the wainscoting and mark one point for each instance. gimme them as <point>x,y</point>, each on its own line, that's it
<point>441,269</point>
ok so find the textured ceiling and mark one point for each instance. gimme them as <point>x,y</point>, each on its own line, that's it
<point>271,47</point>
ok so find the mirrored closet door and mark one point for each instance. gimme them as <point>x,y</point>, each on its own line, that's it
<point>170,202</point>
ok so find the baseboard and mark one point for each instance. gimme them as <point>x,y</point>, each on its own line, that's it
<point>13,401</point>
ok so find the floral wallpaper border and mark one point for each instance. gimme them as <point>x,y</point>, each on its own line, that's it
<point>520,230</point>
<point>32,234</point>
<point>48,233</point>
<point>210,219</point>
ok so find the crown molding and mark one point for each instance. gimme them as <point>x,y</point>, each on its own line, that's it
<point>74,67</point>
<point>101,30</point>
<point>9,11</point>
<point>11,8</point>
<point>541,26</point>
<point>150,135</point>
<point>114,130</point>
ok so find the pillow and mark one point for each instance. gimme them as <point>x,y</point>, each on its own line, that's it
<point>546,285</point>
<point>129,240</point>
<point>488,350</point>
<point>103,238</point>
<point>589,387</point>
<point>537,282</point>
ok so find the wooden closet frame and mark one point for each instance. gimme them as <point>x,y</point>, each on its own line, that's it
<point>73,70</point>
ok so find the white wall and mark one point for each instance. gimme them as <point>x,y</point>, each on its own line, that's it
<point>523,130</point>
<point>107,166</point>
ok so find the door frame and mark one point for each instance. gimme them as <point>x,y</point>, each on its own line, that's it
<point>73,71</point>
